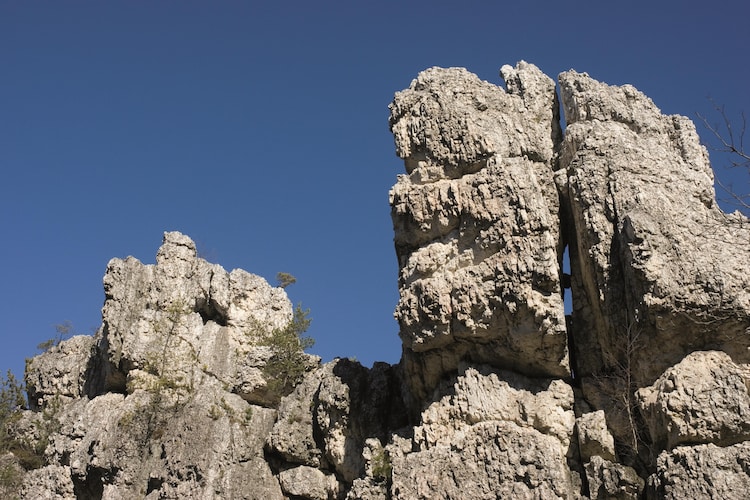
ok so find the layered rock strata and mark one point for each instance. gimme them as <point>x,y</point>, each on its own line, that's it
<point>640,391</point>
<point>476,225</point>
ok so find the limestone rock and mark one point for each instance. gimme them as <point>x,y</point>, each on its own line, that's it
<point>488,460</point>
<point>489,436</point>
<point>170,399</point>
<point>52,482</point>
<point>612,481</point>
<point>209,320</point>
<point>594,439</point>
<point>328,419</point>
<point>292,435</point>
<point>702,399</point>
<point>308,482</point>
<point>354,404</point>
<point>174,364</point>
<point>657,267</point>
<point>702,472</point>
<point>59,372</point>
<point>367,489</point>
<point>475,223</point>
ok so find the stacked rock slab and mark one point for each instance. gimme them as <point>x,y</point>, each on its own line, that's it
<point>476,225</point>
<point>656,264</point>
<point>658,270</point>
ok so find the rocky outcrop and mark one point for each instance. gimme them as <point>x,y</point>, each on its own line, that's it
<point>176,362</point>
<point>702,399</point>
<point>489,434</point>
<point>656,264</point>
<point>704,471</point>
<point>640,391</point>
<point>658,270</point>
<point>184,319</point>
<point>476,225</point>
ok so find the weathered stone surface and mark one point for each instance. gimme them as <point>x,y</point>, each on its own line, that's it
<point>328,419</point>
<point>59,372</point>
<point>367,489</point>
<point>490,435</point>
<point>702,399</point>
<point>51,482</point>
<point>145,443</point>
<point>308,482</point>
<point>477,237</point>
<point>292,434</point>
<point>702,472</point>
<point>156,404</point>
<point>487,460</point>
<point>354,404</point>
<point>594,439</point>
<point>658,270</point>
<point>208,320</point>
<point>612,481</point>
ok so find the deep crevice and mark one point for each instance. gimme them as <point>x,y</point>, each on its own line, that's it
<point>210,312</point>
<point>565,283</point>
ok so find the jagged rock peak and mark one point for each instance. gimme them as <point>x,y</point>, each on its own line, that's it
<point>641,391</point>
<point>179,360</point>
<point>655,263</point>
<point>449,122</point>
<point>492,196</point>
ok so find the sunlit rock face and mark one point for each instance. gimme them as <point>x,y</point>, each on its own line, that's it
<point>476,222</point>
<point>656,265</point>
<point>641,391</point>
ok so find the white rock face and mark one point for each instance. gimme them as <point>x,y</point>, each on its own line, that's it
<point>156,404</point>
<point>489,435</point>
<point>703,471</point>
<point>641,392</point>
<point>657,267</point>
<point>60,372</point>
<point>608,480</point>
<point>50,482</point>
<point>702,399</point>
<point>594,439</point>
<point>209,320</point>
<point>477,236</point>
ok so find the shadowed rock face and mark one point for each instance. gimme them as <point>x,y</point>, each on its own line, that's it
<point>642,390</point>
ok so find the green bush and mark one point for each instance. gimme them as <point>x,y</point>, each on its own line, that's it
<point>11,396</point>
<point>284,370</point>
<point>285,279</point>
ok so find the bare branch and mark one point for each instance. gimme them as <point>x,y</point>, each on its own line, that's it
<point>731,142</point>
<point>726,136</point>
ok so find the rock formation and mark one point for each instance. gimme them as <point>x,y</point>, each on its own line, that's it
<point>477,232</point>
<point>639,391</point>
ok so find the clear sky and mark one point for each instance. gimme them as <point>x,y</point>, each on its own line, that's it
<point>260,129</point>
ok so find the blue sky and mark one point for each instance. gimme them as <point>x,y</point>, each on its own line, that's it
<point>261,130</point>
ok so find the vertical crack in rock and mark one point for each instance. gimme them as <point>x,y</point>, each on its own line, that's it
<point>654,252</point>
<point>658,270</point>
